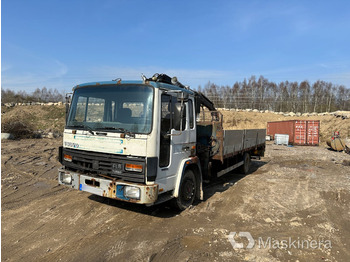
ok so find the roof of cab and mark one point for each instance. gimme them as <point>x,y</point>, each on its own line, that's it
<point>139,82</point>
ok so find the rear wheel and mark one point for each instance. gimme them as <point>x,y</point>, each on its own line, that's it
<point>246,164</point>
<point>187,191</point>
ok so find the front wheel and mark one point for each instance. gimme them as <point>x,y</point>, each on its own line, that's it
<point>187,191</point>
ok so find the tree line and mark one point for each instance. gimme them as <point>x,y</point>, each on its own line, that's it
<point>39,95</point>
<point>286,96</point>
<point>253,93</point>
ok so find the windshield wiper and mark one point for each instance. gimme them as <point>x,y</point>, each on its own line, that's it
<point>112,128</point>
<point>84,126</point>
<point>120,129</point>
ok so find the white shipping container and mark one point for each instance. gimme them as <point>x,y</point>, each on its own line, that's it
<point>281,139</point>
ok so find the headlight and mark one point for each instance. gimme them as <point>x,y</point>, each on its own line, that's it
<point>132,192</point>
<point>132,167</point>
<point>66,178</point>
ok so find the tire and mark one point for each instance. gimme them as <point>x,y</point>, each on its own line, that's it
<point>244,169</point>
<point>187,191</point>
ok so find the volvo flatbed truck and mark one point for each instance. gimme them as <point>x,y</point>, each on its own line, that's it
<point>149,141</point>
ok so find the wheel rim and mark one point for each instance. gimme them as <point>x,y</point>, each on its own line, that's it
<point>188,190</point>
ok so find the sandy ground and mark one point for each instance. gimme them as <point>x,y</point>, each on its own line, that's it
<point>299,194</point>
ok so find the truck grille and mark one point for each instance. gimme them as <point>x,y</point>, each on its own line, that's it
<point>104,163</point>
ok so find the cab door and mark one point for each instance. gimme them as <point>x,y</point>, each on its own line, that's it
<point>177,137</point>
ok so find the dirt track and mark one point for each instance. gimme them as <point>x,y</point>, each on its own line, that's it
<point>294,192</point>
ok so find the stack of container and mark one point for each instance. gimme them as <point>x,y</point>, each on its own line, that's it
<point>301,132</point>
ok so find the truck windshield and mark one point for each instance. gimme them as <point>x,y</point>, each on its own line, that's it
<point>112,108</point>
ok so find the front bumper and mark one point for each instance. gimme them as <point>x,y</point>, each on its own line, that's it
<point>107,187</point>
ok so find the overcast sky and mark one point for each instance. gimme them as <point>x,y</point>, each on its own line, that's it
<point>59,43</point>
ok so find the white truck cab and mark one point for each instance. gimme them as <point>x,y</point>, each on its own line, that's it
<point>136,141</point>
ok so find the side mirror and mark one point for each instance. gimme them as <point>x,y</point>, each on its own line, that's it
<point>68,101</point>
<point>179,117</point>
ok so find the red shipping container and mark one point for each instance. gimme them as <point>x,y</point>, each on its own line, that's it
<point>313,132</point>
<point>301,132</point>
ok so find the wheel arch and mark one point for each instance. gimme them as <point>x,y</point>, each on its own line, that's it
<point>193,165</point>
